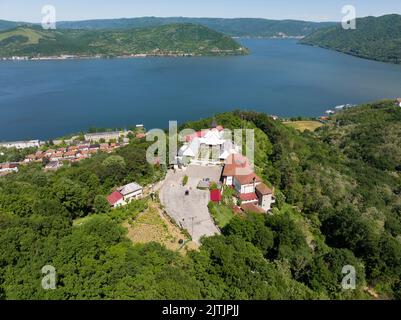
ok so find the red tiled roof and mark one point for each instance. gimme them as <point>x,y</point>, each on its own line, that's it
<point>263,189</point>
<point>250,207</point>
<point>237,209</point>
<point>8,166</point>
<point>70,153</point>
<point>114,198</point>
<point>57,155</point>
<point>237,159</point>
<point>248,196</point>
<point>248,179</point>
<point>215,195</point>
<point>234,162</point>
<point>198,134</point>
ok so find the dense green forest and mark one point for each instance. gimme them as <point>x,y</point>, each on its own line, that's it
<point>242,27</point>
<point>173,39</point>
<point>374,38</point>
<point>338,203</point>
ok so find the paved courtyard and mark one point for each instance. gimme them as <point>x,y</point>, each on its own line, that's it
<point>190,211</point>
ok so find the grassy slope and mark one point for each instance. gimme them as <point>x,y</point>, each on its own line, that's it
<point>304,125</point>
<point>165,40</point>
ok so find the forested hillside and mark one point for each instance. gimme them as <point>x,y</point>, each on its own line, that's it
<point>175,39</point>
<point>243,27</point>
<point>338,193</point>
<point>374,38</point>
<point>4,24</point>
<point>240,27</point>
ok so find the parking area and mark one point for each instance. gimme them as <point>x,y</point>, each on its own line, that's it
<point>190,211</point>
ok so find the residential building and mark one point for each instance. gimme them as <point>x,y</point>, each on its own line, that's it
<point>253,194</point>
<point>6,168</point>
<point>265,196</point>
<point>84,146</point>
<point>53,166</point>
<point>21,144</point>
<point>251,207</point>
<point>116,199</point>
<point>140,135</point>
<point>39,154</point>
<point>106,136</point>
<point>70,154</point>
<point>245,184</point>
<point>30,158</point>
<point>399,102</point>
<point>56,156</point>
<point>125,194</point>
<point>131,191</point>
<point>49,152</point>
<point>94,147</point>
<point>235,164</point>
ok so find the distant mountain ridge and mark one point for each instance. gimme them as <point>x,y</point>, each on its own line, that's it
<point>5,25</point>
<point>168,40</point>
<point>375,38</point>
<point>237,27</point>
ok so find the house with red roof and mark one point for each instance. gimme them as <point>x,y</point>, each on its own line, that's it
<point>234,165</point>
<point>140,135</point>
<point>6,168</point>
<point>252,208</point>
<point>265,196</point>
<point>56,156</point>
<point>125,194</point>
<point>399,102</point>
<point>246,183</point>
<point>116,199</point>
<point>30,158</point>
<point>239,175</point>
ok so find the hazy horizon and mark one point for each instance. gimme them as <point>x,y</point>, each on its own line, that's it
<point>308,10</point>
<point>167,17</point>
<point>194,17</point>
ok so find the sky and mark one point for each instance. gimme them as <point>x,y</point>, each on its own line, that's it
<point>312,10</point>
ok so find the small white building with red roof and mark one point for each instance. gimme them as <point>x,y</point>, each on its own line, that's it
<point>116,199</point>
<point>125,194</point>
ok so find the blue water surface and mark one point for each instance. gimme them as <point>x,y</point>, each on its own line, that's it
<point>47,99</point>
